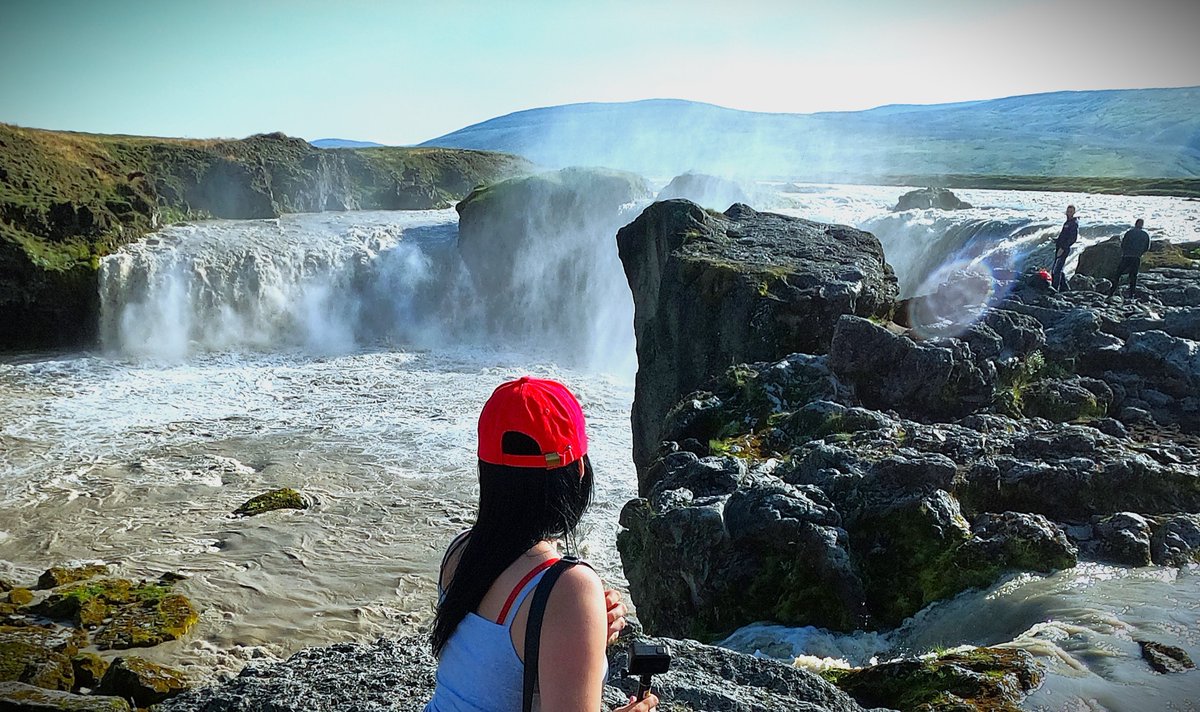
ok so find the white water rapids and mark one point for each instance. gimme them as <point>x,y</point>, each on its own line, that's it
<point>344,355</point>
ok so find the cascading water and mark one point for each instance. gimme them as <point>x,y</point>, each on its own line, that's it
<point>326,283</point>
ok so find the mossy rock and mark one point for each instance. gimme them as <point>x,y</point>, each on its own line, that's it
<point>285,498</point>
<point>57,576</point>
<point>39,656</point>
<point>20,697</point>
<point>142,681</point>
<point>89,670</point>
<point>148,623</point>
<point>20,596</point>
<point>979,680</point>
<point>89,603</point>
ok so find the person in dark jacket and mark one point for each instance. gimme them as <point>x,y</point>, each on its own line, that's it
<point>1062,248</point>
<point>1133,245</point>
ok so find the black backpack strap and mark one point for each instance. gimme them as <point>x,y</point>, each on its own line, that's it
<point>533,627</point>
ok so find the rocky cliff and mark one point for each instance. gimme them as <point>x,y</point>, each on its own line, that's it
<point>713,289</point>
<point>854,475</point>
<point>68,199</point>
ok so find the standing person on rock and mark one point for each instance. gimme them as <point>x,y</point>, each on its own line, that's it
<point>1134,244</point>
<point>535,481</point>
<point>1062,249</point>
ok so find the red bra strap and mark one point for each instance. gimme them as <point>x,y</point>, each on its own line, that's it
<point>524,582</point>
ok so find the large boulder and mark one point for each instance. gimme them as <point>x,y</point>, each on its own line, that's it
<point>142,681</point>
<point>1176,542</point>
<point>711,289</point>
<point>891,371</point>
<point>930,198</point>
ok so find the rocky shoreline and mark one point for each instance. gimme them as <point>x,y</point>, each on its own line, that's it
<point>69,199</point>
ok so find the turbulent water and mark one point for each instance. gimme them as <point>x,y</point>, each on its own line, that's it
<point>344,355</point>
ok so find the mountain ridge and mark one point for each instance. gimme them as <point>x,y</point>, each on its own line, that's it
<point>1120,133</point>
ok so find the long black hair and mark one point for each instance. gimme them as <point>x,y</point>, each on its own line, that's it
<point>518,507</point>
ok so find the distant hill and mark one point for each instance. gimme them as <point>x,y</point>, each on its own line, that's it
<point>1142,133</point>
<point>343,143</point>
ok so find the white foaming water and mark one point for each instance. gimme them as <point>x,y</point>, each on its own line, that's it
<point>1000,231</point>
<point>323,282</point>
<point>1082,623</point>
<point>345,354</point>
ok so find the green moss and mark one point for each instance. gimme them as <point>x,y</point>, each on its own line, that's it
<point>982,679</point>
<point>142,681</point>
<point>61,575</point>
<point>89,669</point>
<point>20,596</point>
<point>39,656</point>
<point>148,623</point>
<point>284,498</point>
<point>89,603</point>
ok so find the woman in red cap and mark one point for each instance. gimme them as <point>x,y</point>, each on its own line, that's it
<point>535,481</point>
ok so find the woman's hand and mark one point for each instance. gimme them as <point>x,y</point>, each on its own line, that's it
<point>616,614</point>
<point>650,703</point>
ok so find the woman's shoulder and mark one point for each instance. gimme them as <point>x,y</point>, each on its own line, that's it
<point>578,587</point>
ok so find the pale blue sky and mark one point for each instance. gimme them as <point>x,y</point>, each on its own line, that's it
<point>403,72</point>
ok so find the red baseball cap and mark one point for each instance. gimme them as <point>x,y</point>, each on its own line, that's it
<point>541,409</point>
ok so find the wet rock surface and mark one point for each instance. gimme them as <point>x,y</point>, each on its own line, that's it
<point>142,681</point>
<point>42,641</point>
<point>712,289</point>
<point>127,614</point>
<point>284,498</point>
<point>1166,658</point>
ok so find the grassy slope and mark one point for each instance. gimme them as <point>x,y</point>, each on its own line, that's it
<point>68,199</point>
